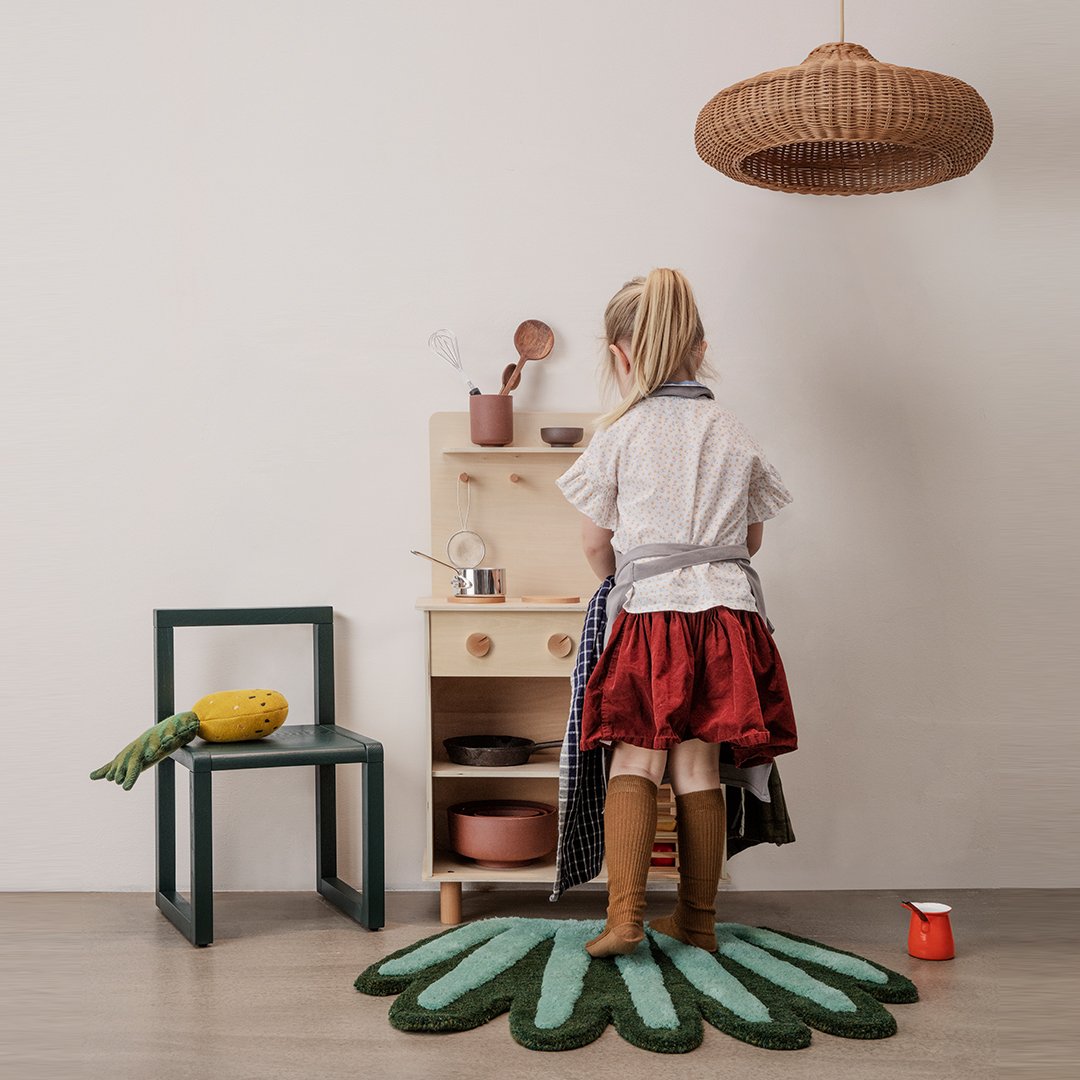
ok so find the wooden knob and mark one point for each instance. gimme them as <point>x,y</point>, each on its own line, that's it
<point>560,645</point>
<point>463,477</point>
<point>514,478</point>
<point>478,645</point>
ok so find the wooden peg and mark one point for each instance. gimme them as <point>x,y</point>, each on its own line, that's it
<point>560,645</point>
<point>478,645</point>
<point>514,478</point>
<point>463,477</point>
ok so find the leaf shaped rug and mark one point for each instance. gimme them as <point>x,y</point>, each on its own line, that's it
<point>760,986</point>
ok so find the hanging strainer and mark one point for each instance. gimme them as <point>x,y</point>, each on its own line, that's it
<point>465,549</point>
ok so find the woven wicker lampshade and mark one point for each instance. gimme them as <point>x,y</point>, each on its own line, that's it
<point>843,123</point>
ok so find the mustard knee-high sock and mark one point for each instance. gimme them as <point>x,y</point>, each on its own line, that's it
<point>699,822</point>
<point>629,832</point>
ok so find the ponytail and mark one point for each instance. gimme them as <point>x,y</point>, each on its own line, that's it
<point>659,317</point>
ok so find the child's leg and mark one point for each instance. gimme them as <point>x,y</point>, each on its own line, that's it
<point>629,832</point>
<point>699,820</point>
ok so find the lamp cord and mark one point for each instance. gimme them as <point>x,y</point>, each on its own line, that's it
<point>841,20</point>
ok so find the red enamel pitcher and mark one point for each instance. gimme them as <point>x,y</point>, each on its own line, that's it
<point>930,933</point>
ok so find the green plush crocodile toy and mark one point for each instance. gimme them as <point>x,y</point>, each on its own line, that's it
<point>227,716</point>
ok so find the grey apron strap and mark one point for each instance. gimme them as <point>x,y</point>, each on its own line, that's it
<point>663,559</point>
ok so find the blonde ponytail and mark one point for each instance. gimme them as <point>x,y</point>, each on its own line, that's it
<point>659,317</point>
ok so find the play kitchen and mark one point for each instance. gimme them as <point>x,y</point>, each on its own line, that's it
<point>499,665</point>
<point>502,625</point>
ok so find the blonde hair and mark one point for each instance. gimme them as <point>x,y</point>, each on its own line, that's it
<point>658,316</point>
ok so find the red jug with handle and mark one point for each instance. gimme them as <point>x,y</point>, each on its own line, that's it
<point>930,933</point>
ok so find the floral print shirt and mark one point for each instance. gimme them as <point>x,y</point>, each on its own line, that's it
<point>681,471</point>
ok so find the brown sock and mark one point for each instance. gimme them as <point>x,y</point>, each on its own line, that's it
<point>629,832</point>
<point>699,821</point>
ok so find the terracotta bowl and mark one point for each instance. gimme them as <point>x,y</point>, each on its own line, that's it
<point>503,833</point>
<point>562,436</point>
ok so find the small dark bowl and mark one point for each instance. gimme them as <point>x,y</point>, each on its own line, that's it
<point>562,436</point>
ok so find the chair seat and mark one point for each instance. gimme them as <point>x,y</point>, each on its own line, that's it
<point>293,744</point>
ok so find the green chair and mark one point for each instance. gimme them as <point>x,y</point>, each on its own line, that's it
<point>322,744</point>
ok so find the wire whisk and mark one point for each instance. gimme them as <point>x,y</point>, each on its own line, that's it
<point>443,343</point>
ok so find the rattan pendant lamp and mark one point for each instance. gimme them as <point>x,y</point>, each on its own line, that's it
<point>843,123</point>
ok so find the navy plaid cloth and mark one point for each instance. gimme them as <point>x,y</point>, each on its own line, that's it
<point>582,776</point>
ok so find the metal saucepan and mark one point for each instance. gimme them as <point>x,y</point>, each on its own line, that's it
<point>493,750</point>
<point>479,581</point>
<point>473,580</point>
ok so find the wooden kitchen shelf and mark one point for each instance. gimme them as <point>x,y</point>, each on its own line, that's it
<point>450,867</point>
<point>441,603</point>
<point>510,451</point>
<point>481,772</point>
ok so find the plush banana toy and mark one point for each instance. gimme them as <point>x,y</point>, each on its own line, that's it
<point>227,716</point>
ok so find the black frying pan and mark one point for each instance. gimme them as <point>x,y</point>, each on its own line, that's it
<point>493,750</point>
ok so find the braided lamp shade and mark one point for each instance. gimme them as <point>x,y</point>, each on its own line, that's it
<point>843,123</point>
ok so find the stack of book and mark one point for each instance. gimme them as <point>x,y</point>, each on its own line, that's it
<point>665,853</point>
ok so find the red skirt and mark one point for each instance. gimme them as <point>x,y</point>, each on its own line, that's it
<point>668,676</point>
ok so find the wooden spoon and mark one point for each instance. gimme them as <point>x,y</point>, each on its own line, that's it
<point>508,375</point>
<point>533,341</point>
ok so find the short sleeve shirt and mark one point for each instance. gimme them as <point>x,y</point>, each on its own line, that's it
<point>682,471</point>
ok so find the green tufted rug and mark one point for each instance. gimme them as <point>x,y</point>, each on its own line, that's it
<point>761,986</point>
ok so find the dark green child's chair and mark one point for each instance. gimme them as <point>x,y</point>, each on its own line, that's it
<point>322,744</point>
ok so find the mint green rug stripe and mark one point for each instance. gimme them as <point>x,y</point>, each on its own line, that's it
<point>841,963</point>
<point>783,974</point>
<point>491,959</point>
<point>648,993</point>
<point>703,972</point>
<point>444,947</point>
<point>564,974</point>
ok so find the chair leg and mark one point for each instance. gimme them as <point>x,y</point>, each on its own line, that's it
<point>373,846</point>
<point>202,859</point>
<point>165,827</point>
<point>325,822</point>
<point>365,905</point>
<point>195,918</point>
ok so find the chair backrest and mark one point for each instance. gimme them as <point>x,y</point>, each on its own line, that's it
<point>320,618</point>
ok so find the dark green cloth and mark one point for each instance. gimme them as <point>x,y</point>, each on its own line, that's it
<point>751,821</point>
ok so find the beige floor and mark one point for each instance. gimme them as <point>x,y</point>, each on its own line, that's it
<point>101,985</point>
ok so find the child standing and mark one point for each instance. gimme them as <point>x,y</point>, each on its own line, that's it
<point>673,493</point>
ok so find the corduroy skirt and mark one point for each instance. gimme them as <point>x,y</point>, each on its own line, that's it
<point>669,676</point>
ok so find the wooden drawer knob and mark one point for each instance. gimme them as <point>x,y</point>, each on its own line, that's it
<point>478,645</point>
<point>560,645</point>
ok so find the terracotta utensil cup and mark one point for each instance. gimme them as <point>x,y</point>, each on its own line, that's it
<point>491,419</point>
<point>503,833</point>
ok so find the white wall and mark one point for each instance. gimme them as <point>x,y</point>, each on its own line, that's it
<point>235,224</point>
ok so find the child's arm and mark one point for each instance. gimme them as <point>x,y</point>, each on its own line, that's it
<point>596,543</point>
<point>754,533</point>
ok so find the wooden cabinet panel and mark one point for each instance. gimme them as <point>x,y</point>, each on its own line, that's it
<point>504,644</point>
